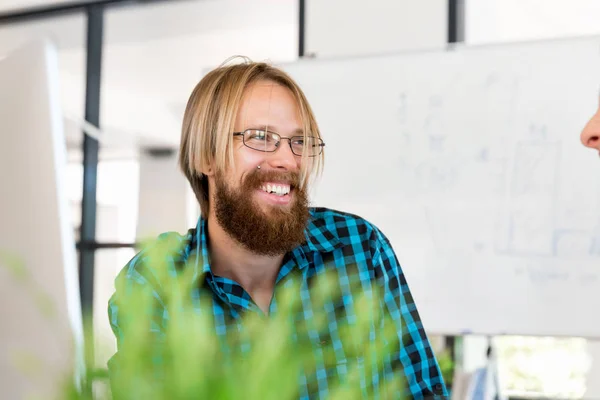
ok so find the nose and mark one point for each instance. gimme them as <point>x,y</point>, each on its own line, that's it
<point>283,158</point>
<point>590,136</point>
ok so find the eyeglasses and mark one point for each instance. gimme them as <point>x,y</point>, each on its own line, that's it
<point>267,141</point>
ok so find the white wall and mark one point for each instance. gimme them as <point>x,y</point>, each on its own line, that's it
<point>358,27</point>
<point>490,21</point>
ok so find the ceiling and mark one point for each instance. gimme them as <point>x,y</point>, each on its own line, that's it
<point>153,56</point>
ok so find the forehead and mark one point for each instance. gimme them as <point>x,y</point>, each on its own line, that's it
<point>268,103</point>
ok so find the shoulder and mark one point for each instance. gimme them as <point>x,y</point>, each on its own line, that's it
<point>148,273</point>
<point>356,241</point>
<point>346,228</point>
<point>158,258</point>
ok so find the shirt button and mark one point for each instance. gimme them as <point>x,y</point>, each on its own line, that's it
<point>437,388</point>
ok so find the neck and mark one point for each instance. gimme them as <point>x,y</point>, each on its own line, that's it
<point>229,259</point>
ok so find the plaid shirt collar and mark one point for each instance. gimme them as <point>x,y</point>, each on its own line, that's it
<point>320,238</point>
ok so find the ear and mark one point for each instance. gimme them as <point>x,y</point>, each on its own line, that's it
<point>208,170</point>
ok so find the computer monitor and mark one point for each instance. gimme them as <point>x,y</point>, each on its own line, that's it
<point>41,333</point>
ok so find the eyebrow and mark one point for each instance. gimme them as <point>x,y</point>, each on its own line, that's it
<point>297,131</point>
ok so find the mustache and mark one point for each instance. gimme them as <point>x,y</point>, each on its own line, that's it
<point>257,177</point>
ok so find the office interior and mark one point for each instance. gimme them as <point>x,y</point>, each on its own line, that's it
<point>152,54</point>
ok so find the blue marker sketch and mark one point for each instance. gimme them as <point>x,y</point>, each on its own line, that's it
<point>572,242</point>
<point>546,275</point>
<point>484,155</point>
<point>532,199</point>
<point>538,132</point>
<point>436,175</point>
<point>433,126</point>
<point>595,242</point>
<point>535,169</point>
<point>402,108</point>
<point>403,118</point>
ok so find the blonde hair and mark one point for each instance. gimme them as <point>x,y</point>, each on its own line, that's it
<point>208,122</point>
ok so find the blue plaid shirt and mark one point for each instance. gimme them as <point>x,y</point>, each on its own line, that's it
<point>355,248</point>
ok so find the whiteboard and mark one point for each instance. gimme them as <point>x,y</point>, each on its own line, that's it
<point>41,339</point>
<point>469,161</point>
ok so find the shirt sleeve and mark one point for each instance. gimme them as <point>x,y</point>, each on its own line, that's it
<point>138,317</point>
<point>413,355</point>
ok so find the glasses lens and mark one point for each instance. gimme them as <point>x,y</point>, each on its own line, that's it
<point>261,140</point>
<point>312,146</point>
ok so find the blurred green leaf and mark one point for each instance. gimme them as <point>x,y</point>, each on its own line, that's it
<point>263,358</point>
<point>14,264</point>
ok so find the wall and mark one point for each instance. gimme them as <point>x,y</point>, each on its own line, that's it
<point>355,27</point>
<point>492,21</point>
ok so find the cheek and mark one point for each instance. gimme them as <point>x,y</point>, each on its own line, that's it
<point>246,159</point>
<point>244,164</point>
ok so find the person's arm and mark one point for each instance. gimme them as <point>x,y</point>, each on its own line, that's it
<point>138,317</point>
<point>413,356</point>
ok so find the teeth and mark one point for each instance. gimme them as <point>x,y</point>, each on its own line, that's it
<point>276,189</point>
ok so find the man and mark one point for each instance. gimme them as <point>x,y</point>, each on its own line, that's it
<point>250,145</point>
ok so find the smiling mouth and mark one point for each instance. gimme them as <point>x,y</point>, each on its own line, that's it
<point>278,189</point>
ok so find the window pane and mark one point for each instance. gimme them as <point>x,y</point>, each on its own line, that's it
<point>117,199</point>
<point>543,366</point>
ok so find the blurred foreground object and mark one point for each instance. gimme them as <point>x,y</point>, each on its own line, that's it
<point>42,332</point>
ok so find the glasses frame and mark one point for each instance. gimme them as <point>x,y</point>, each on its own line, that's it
<point>320,143</point>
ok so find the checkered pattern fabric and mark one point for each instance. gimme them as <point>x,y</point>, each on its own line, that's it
<point>360,255</point>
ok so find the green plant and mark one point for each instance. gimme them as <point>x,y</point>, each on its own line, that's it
<point>446,366</point>
<point>263,361</point>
